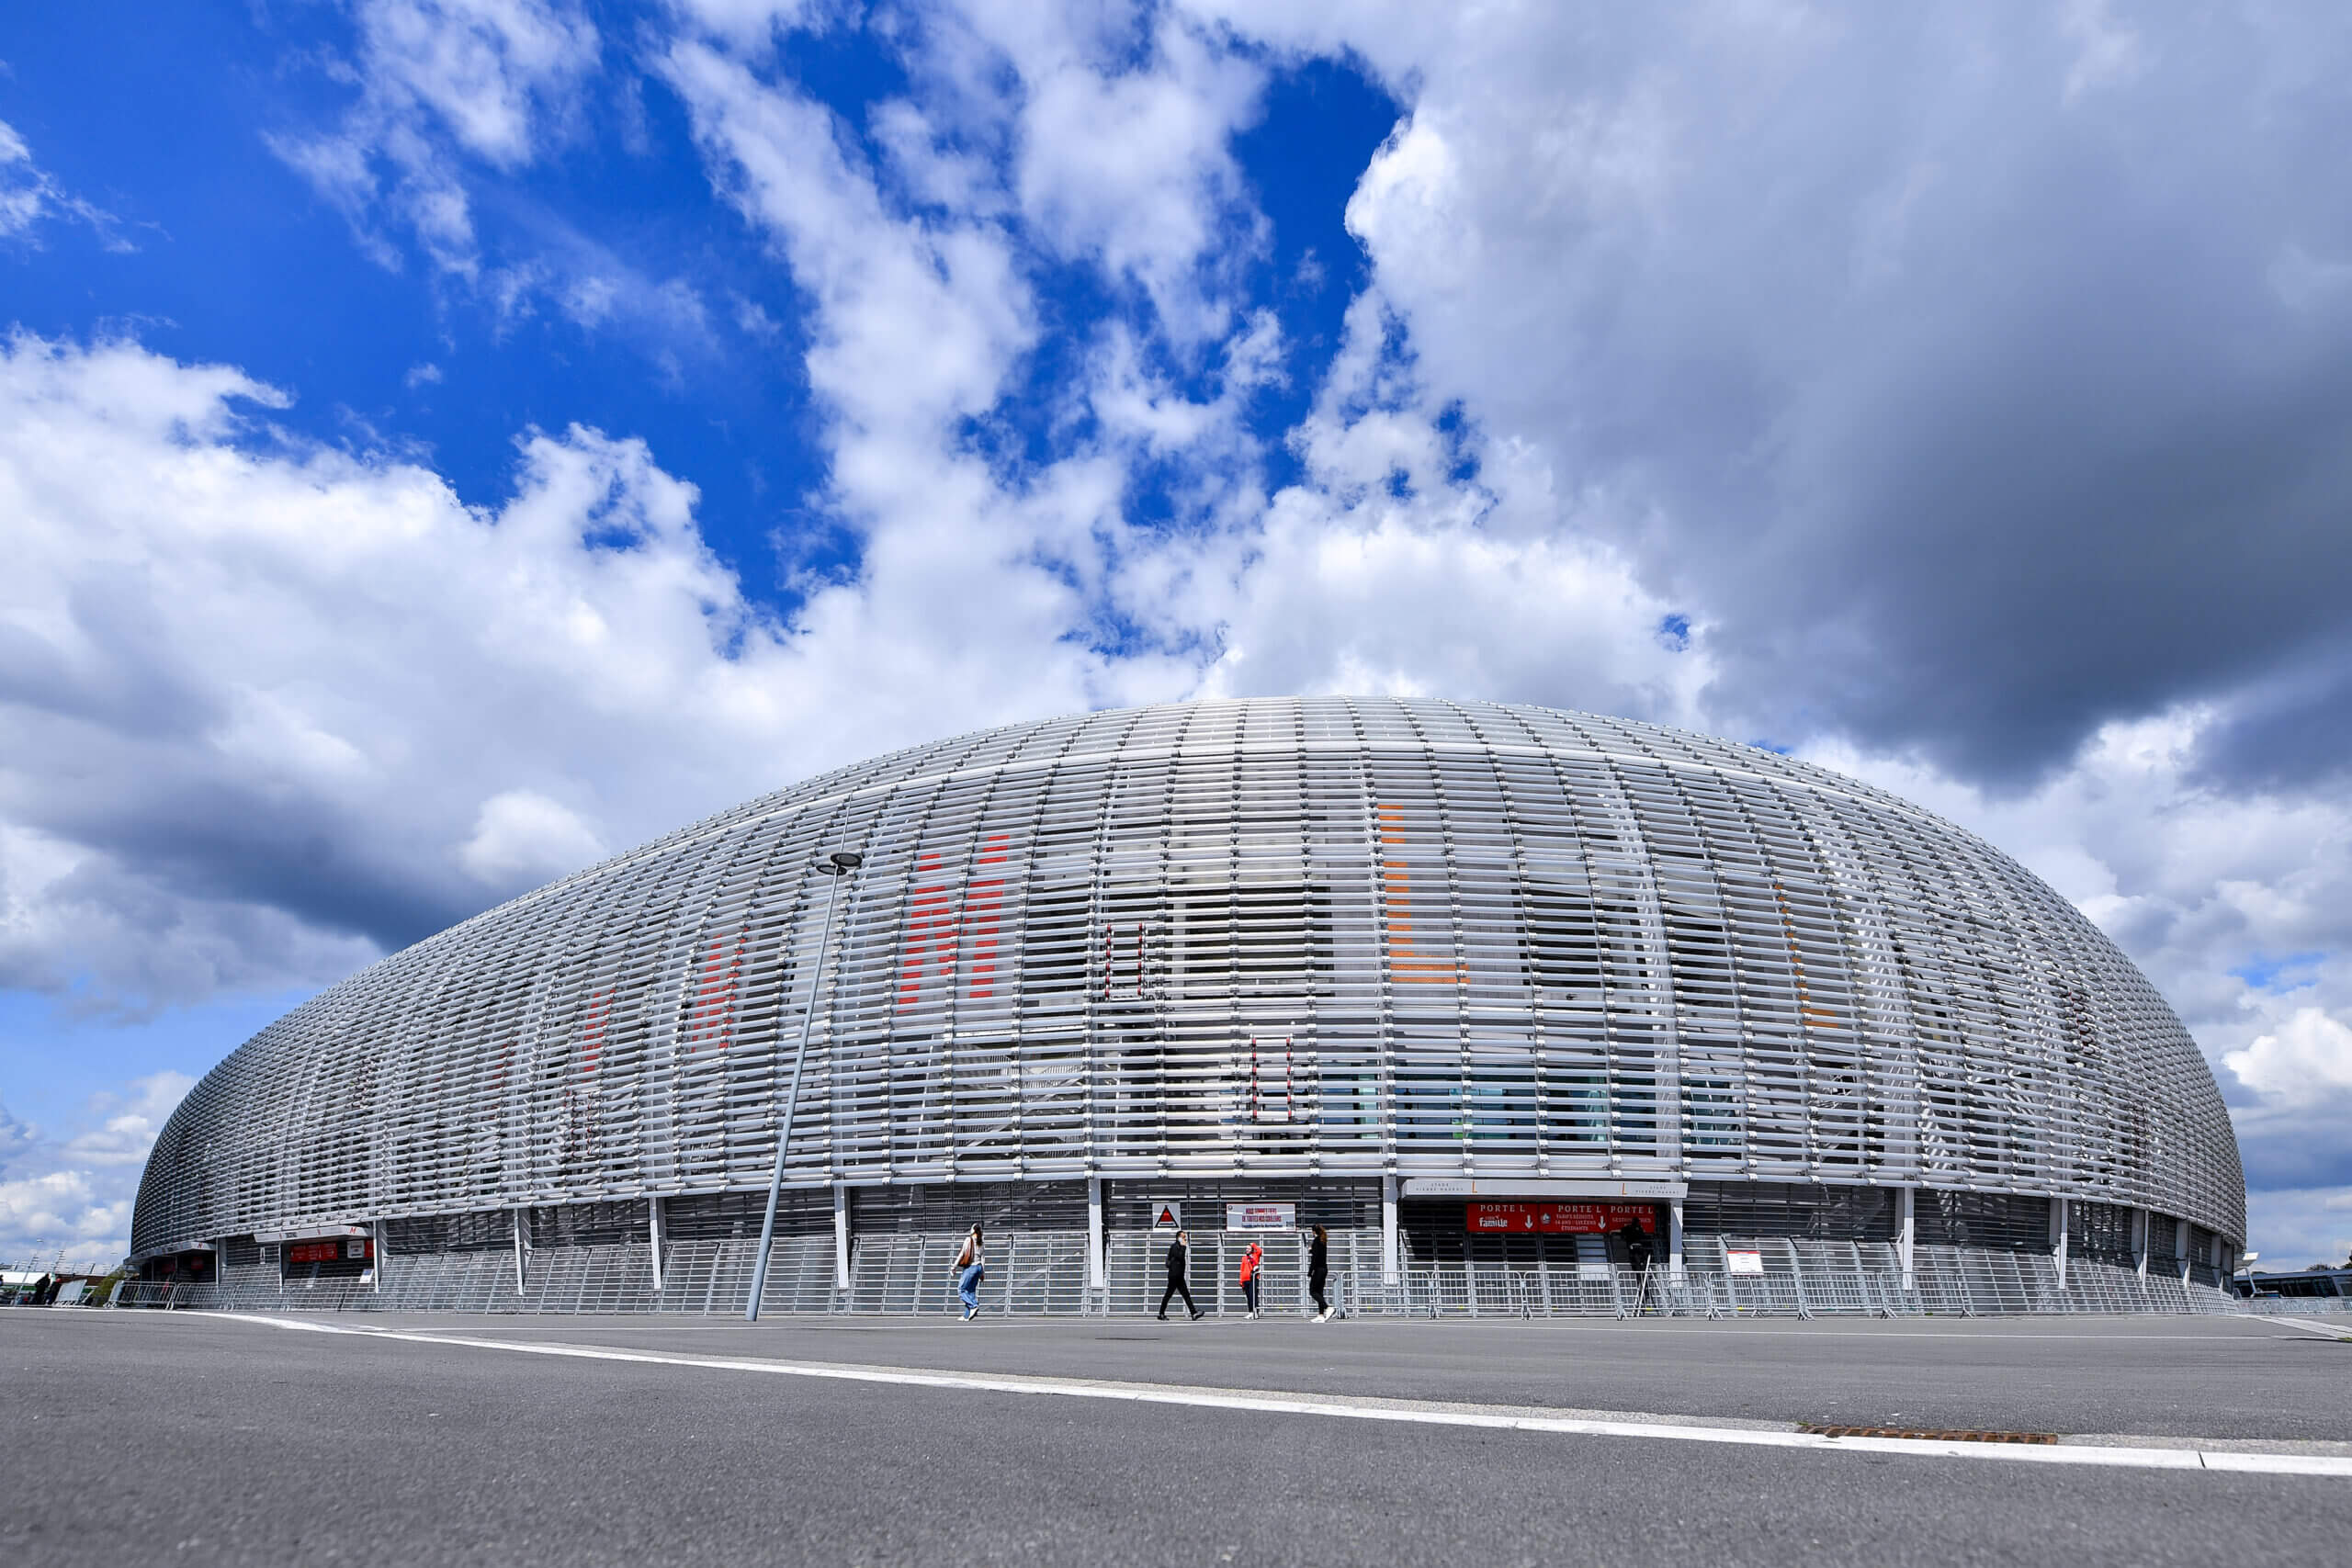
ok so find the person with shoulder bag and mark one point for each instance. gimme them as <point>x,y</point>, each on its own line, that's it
<point>1250,1264</point>
<point>971,1268</point>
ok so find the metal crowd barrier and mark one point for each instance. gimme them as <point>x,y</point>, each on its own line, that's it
<point>1044,1273</point>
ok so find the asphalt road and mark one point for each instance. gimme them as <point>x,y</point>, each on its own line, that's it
<point>2234,1378</point>
<point>139,1436</point>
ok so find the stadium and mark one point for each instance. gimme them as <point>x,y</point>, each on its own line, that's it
<point>1505,998</point>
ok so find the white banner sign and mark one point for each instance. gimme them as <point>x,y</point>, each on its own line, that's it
<point>1744,1262</point>
<point>1261,1216</point>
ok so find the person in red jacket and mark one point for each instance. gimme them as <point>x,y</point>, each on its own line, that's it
<point>1250,1262</point>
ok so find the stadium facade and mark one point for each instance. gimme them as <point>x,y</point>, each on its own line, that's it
<point>1477,987</point>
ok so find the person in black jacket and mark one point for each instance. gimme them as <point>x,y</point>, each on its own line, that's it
<point>1318,1269</point>
<point>1637,1246</point>
<point>1176,1285</point>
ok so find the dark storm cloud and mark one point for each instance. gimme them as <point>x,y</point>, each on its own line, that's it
<point>2292,1150</point>
<point>1980,374</point>
<point>2293,728</point>
<point>2121,497</point>
<point>322,864</point>
<point>125,731</point>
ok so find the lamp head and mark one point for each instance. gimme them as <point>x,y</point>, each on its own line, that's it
<point>841,863</point>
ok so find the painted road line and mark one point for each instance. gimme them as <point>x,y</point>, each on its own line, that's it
<point>2332,1330</point>
<point>1292,1405</point>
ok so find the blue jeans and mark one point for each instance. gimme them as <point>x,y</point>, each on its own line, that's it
<point>967,1285</point>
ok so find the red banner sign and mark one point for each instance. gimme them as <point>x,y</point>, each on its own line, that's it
<point>355,1246</point>
<point>1558,1219</point>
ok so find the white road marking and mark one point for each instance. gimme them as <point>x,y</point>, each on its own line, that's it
<point>1281,1405</point>
<point>2333,1331</point>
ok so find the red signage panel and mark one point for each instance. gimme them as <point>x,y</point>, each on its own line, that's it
<point>1558,1218</point>
<point>353,1247</point>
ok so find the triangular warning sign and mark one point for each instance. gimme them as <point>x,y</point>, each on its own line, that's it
<point>1166,1215</point>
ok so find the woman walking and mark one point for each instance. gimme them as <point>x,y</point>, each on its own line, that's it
<point>1176,1285</point>
<point>1318,1269</point>
<point>1250,1262</point>
<point>970,1269</point>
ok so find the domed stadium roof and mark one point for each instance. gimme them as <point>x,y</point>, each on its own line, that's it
<point>1263,938</point>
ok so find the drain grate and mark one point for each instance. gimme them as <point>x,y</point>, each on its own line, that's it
<point>1819,1430</point>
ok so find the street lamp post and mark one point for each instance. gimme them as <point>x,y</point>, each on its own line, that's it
<point>836,866</point>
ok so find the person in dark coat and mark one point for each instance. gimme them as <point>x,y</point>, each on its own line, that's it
<point>1176,1285</point>
<point>1318,1269</point>
<point>1637,1246</point>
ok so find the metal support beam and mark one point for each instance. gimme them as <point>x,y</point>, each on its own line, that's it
<point>1907,1235</point>
<point>518,1251</point>
<point>840,1236</point>
<point>2059,1216</point>
<point>2180,1247</point>
<point>1392,1267</point>
<point>653,1234</point>
<point>375,1271</point>
<point>2141,1219</point>
<point>1096,1278</point>
<point>1674,1238</point>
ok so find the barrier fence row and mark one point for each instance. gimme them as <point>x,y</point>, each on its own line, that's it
<point>1045,1273</point>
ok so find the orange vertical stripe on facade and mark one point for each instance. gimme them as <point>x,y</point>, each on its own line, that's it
<point>1406,966</point>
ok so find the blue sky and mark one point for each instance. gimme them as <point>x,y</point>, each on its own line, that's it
<point>444,441</point>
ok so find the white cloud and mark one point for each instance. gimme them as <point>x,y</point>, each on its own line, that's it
<point>750,24</point>
<point>2306,1059</point>
<point>15,1136</point>
<point>1131,166</point>
<point>129,1124</point>
<point>442,82</point>
<point>524,837</point>
<point>920,323</point>
<point>28,195</point>
<point>257,692</point>
<point>485,68</point>
<point>60,1213</point>
<point>2109,53</point>
<point>73,1196</point>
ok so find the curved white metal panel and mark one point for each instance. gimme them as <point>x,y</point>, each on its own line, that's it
<point>1259,938</point>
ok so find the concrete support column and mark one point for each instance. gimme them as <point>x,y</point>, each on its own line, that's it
<point>653,1234</point>
<point>840,1236</point>
<point>2180,1247</point>
<point>518,1251</point>
<point>1392,1267</point>
<point>1907,1235</point>
<point>1674,1239</point>
<point>2059,1215</point>
<point>1096,1276</point>
<point>383,1253</point>
<point>2140,1223</point>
